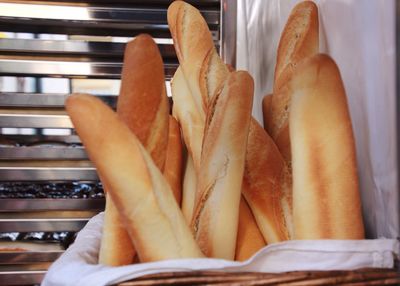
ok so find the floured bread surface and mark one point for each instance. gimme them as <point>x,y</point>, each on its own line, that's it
<point>189,117</point>
<point>215,219</point>
<point>263,185</point>
<point>201,65</point>
<point>193,45</point>
<point>299,40</point>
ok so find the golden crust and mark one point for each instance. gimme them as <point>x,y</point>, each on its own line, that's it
<point>299,40</point>
<point>143,103</point>
<point>326,197</point>
<point>143,106</point>
<point>192,125</point>
<point>203,70</point>
<point>174,159</point>
<point>193,44</point>
<point>188,189</point>
<point>262,184</point>
<point>188,116</point>
<point>116,246</point>
<point>140,192</point>
<point>249,238</point>
<point>222,166</point>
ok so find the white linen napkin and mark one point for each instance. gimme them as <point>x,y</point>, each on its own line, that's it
<point>78,265</point>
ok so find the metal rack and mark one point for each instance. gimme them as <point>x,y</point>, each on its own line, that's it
<point>87,52</point>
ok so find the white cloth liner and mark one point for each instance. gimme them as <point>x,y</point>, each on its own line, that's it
<point>77,266</point>
<point>360,38</point>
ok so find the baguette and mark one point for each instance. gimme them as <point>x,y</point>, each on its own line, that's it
<point>116,248</point>
<point>143,106</point>
<point>215,219</point>
<point>267,186</point>
<point>189,117</point>
<point>249,237</point>
<point>203,69</point>
<point>299,40</point>
<point>137,187</point>
<point>199,78</point>
<point>326,199</point>
<point>173,161</point>
<point>192,123</point>
<point>143,102</point>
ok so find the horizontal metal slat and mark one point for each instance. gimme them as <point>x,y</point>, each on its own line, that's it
<point>21,277</point>
<point>17,99</point>
<point>35,121</point>
<point>130,14</point>
<point>72,27</point>
<point>21,205</point>
<point>69,69</point>
<point>42,153</point>
<point>16,67</point>
<point>51,100</point>
<point>117,21</point>
<point>48,215</point>
<point>28,225</point>
<point>47,174</point>
<point>38,139</point>
<point>23,257</point>
<point>197,3</point>
<point>72,48</point>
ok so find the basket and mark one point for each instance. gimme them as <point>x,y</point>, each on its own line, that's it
<point>370,276</point>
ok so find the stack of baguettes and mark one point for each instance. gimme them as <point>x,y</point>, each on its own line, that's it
<point>210,180</point>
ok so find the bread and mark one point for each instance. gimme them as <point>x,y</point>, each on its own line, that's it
<point>188,189</point>
<point>202,68</point>
<point>279,123</point>
<point>149,210</point>
<point>326,199</point>
<point>174,160</point>
<point>266,110</point>
<point>266,187</point>
<point>116,248</point>
<point>299,40</point>
<point>215,219</point>
<point>192,123</point>
<point>199,78</point>
<point>143,106</point>
<point>249,237</point>
<point>189,117</point>
<point>143,102</point>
